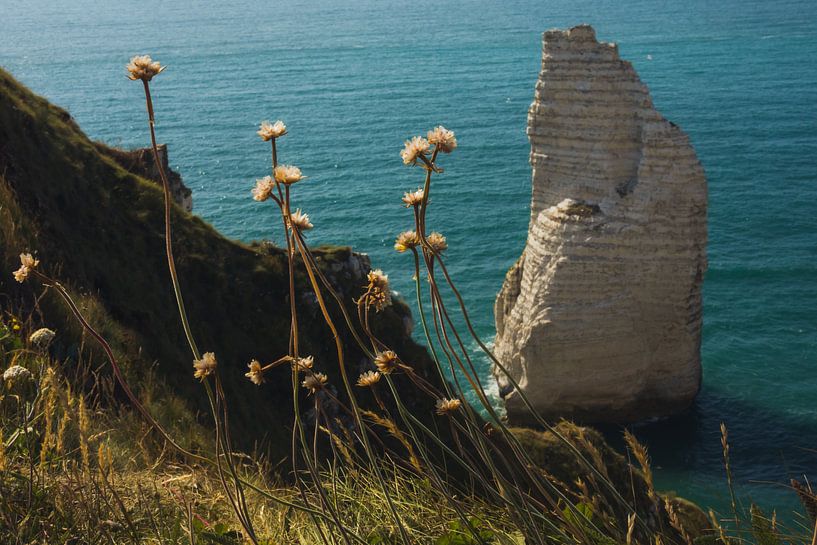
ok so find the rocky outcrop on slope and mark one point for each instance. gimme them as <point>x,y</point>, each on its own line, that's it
<point>600,319</point>
<point>141,162</point>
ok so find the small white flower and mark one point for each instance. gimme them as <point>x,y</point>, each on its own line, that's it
<point>414,198</point>
<point>444,139</point>
<point>288,174</point>
<point>301,220</point>
<point>143,67</point>
<point>205,366</point>
<point>268,130</point>
<point>315,382</point>
<point>263,188</point>
<point>413,149</point>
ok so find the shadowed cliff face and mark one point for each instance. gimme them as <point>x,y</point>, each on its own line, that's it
<point>98,228</point>
<point>600,320</point>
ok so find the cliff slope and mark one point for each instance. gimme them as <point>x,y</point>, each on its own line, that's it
<point>98,227</point>
<point>600,319</point>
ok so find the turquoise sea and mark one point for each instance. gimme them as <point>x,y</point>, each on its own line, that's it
<point>352,79</point>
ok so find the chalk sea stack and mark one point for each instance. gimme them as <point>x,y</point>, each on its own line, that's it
<point>600,318</point>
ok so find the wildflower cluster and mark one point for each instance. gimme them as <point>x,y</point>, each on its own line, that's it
<point>378,292</point>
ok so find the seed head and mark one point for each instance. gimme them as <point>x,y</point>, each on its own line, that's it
<point>406,240</point>
<point>19,381</point>
<point>263,188</point>
<point>413,198</point>
<point>369,379</point>
<point>300,220</point>
<point>304,364</point>
<point>386,361</point>
<point>268,130</point>
<point>27,264</point>
<point>315,382</point>
<point>378,291</point>
<point>444,139</point>
<point>42,337</point>
<point>143,67</point>
<point>437,242</point>
<point>256,372</point>
<point>288,174</point>
<point>447,406</point>
<point>413,149</point>
<point>205,366</point>
<point>15,374</point>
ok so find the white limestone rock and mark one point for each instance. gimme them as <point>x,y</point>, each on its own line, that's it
<point>600,319</point>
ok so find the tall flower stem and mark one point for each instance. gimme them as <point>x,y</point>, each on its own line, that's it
<point>298,428</point>
<point>221,439</point>
<point>171,262</point>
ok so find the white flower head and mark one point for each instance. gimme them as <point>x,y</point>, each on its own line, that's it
<point>205,366</point>
<point>315,382</point>
<point>256,372</point>
<point>27,264</point>
<point>301,220</point>
<point>288,174</point>
<point>414,149</point>
<point>143,67</point>
<point>42,337</point>
<point>263,188</point>
<point>267,131</point>
<point>369,379</point>
<point>413,198</point>
<point>437,242</point>
<point>444,139</point>
<point>447,406</point>
<point>406,240</point>
<point>386,361</point>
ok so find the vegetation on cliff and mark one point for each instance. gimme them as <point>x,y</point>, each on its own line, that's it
<point>80,465</point>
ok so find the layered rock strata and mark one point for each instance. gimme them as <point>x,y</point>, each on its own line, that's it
<point>600,319</point>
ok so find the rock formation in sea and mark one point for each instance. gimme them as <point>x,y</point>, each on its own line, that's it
<point>600,319</point>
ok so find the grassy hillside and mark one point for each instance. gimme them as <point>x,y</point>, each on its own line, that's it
<point>98,228</point>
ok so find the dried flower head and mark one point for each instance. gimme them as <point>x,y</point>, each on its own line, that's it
<point>300,220</point>
<point>406,240</point>
<point>447,406</point>
<point>42,337</point>
<point>444,139</point>
<point>378,292</point>
<point>304,364</point>
<point>414,149</point>
<point>413,198</point>
<point>314,382</point>
<point>288,174</point>
<point>143,67</point>
<point>256,372</point>
<point>369,379</point>
<point>437,242</point>
<point>27,264</point>
<point>386,361</point>
<point>263,188</point>
<point>205,366</point>
<point>15,374</point>
<point>267,131</point>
